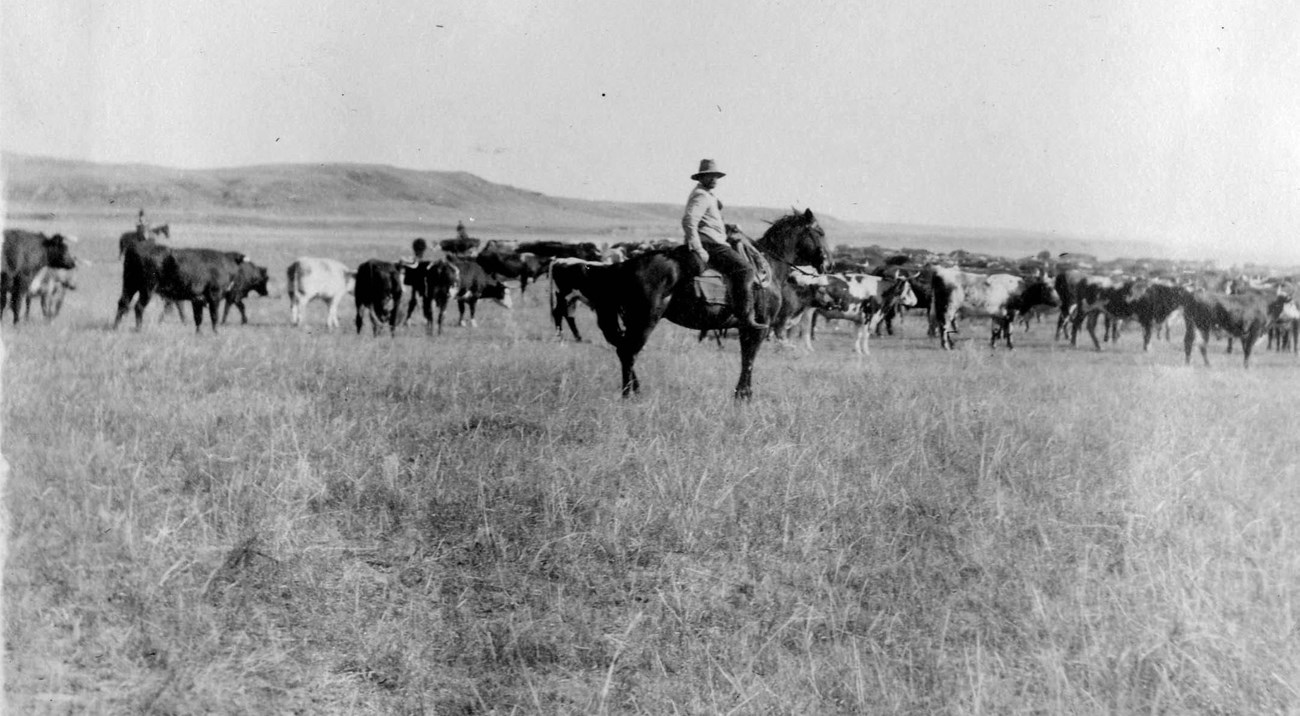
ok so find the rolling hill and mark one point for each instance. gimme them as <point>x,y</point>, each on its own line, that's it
<point>42,187</point>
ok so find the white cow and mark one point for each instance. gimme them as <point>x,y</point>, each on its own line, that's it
<point>326,279</point>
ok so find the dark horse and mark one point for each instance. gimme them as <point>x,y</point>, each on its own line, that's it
<point>634,295</point>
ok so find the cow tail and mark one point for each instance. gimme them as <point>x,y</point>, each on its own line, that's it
<point>550,295</point>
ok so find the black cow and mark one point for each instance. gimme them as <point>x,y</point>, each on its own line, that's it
<point>142,264</point>
<point>1152,303</point>
<point>378,293</point>
<point>25,254</point>
<point>586,251</point>
<point>502,264</point>
<point>1245,315</point>
<point>199,276</point>
<point>251,278</point>
<point>475,283</point>
<point>570,283</point>
<point>1067,288</point>
<point>1096,297</point>
<point>432,282</point>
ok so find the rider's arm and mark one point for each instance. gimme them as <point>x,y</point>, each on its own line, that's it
<point>695,208</point>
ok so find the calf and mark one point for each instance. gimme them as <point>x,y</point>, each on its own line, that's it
<point>250,278</point>
<point>523,267</point>
<point>569,285</point>
<point>1000,297</point>
<point>200,276</point>
<point>310,278</point>
<point>1067,285</point>
<point>475,284</point>
<point>378,293</point>
<point>434,282</point>
<point>1245,315</point>
<point>1154,304</point>
<point>860,298</point>
<point>1095,297</point>
<point>25,253</point>
<point>49,286</point>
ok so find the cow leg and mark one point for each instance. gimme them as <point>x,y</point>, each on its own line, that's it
<point>572,327</point>
<point>214,307</point>
<point>806,323</point>
<point>361,320</point>
<point>1247,344</point>
<point>473,308</point>
<point>410,307</point>
<point>1092,329</point>
<point>332,317</point>
<point>1148,327</point>
<point>426,307</point>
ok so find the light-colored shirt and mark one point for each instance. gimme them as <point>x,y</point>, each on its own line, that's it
<point>703,218</point>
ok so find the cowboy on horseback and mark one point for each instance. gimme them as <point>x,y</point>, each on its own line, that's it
<point>706,237</point>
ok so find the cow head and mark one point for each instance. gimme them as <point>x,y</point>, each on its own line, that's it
<point>57,252</point>
<point>257,277</point>
<point>900,294</point>
<point>498,292</point>
<point>1039,290</point>
<point>442,281</point>
<point>1283,308</point>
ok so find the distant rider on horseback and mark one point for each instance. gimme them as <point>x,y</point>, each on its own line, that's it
<point>706,237</point>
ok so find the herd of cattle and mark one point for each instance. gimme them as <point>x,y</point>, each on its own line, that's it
<point>39,267</point>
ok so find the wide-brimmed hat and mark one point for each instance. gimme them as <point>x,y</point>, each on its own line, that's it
<point>707,167</point>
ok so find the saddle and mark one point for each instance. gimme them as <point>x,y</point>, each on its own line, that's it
<point>711,287</point>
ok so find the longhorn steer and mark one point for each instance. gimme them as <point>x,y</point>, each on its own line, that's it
<point>1000,297</point>
<point>860,298</point>
<point>1245,315</point>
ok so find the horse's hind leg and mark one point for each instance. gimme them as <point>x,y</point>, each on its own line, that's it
<point>750,341</point>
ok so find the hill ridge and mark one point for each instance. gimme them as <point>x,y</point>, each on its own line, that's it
<point>364,191</point>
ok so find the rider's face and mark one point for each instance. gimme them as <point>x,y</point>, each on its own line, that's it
<point>708,181</point>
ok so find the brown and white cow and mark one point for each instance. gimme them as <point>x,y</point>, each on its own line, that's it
<point>475,284</point>
<point>25,253</point>
<point>861,298</point>
<point>999,297</point>
<point>310,278</point>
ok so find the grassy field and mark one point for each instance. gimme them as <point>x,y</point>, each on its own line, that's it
<point>281,521</point>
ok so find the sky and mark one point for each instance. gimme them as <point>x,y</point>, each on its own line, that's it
<point>1174,122</point>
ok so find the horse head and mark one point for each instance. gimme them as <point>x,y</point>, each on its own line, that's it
<point>797,239</point>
